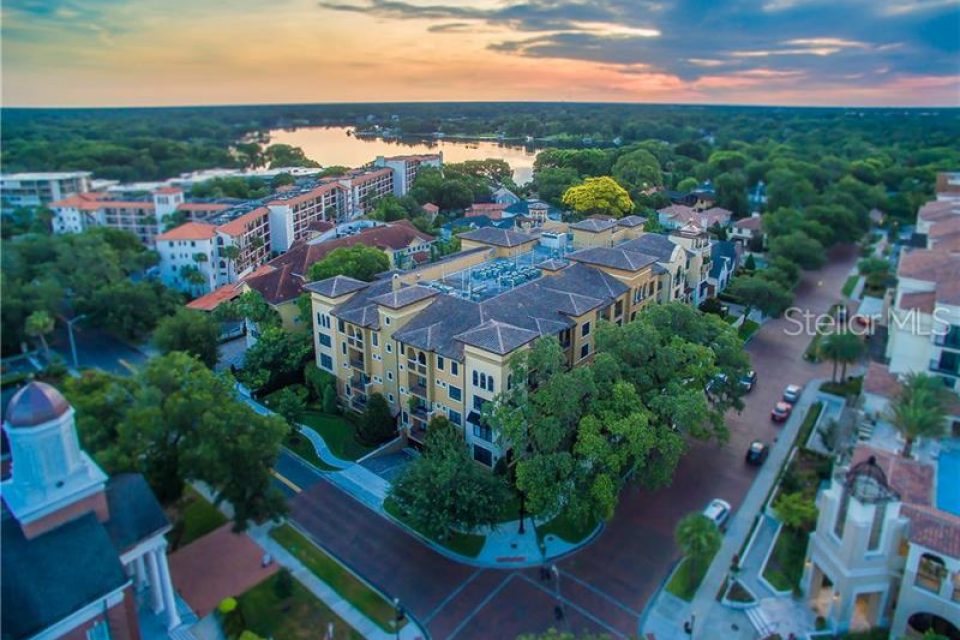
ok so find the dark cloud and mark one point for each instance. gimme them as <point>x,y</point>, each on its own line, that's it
<point>825,38</point>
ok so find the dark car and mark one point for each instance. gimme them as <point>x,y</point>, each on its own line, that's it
<point>757,453</point>
<point>781,412</point>
<point>748,380</point>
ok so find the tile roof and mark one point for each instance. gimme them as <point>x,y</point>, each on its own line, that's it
<point>404,296</point>
<point>238,226</point>
<point>135,514</point>
<point>552,264</point>
<point>498,237</point>
<point>753,223</point>
<point>278,285</point>
<point>430,208</point>
<point>938,210</point>
<point>215,298</point>
<point>706,218</point>
<point>614,257</point>
<point>497,337</point>
<point>918,301</point>
<point>90,201</point>
<point>653,244</point>
<point>631,221</point>
<point>594,225</point>
<point>360,309</point>
<point>912,479</point>
<point>190,231</point>
<point>336,286</point>
<point>928,265</point>
<point>167,190</point>
<point>436,327</point>
<point>879,381</point>
<point>934,529</point>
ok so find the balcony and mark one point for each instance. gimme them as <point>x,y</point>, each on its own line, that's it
<point>418,387</point>
<point>357,362</point>
<point>417,432</point>
<point>419,412</point>
<point>359,383</point>
<point>948,340</point>
<point>418,368</point>
<point>355,341</point>
<point>358,401</point>
<point>945,367</point>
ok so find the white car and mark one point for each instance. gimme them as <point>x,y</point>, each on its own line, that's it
<point>718,512</point>
<point>792,393</point>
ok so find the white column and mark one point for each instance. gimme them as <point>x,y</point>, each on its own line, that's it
<point>156,593</point>
<point>140,571</point>
<point>169,600</point>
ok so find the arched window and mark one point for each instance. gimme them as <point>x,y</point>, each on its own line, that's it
<point>421,358</point>
<point>483,381</point>
<point>931,570</point>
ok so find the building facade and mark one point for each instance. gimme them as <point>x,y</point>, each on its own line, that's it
<point>405,169</point>
<point>32,190</point>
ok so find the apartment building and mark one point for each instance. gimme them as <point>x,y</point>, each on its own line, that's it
<point>189,249</point>
<point>405,168</point>
<point>439,340</point>
<point>886,549</point>
<point>40,189</point>
<point>364,187</point>
<point>605,232</point>
<point>292,213</point>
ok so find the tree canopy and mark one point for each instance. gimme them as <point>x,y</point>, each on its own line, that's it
<point>193,332</point>
<point>599,196</point>
<point>359,261</point>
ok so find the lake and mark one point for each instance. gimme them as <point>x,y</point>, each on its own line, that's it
<point>332,146</point>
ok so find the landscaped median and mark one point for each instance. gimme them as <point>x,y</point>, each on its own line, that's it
<point>566,528</point>
<point>687,577</point>
<point>361,596</point>
<point>464,544</point>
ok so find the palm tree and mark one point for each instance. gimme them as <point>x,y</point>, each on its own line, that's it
<point>843,349</point>
<point>699,539</point>
<point>230,253</point>
<point>919,410</point>
<point>38,325</point>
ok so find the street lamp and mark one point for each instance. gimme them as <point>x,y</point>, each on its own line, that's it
<point>73,344</point>
<point>399,614</point>
<point>688,624</point>
<point>561,613</point>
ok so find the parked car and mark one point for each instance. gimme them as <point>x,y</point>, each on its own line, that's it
<point>757,453</point>
<point>792,393</point>
<point>781,412</point>
<point>718,511</point>
<point>748,380</point>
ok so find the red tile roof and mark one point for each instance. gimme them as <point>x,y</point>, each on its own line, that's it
<point>168,190</point>
<point>879,381</point>
<point>277,285</point>
<point>928,265</point>
<point>918,301</point>
<point>90,201</point>
<point>753,223</point>
<point>190,231</point>
<point>215,298</point>
<point>238,226</point>
<point>934,529</point>
<point>938,210</point>
<point>912,479</point>
<point>126,204</point>
<point>430,208</point>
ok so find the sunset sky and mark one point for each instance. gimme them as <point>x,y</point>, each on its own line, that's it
<point>167,52</point>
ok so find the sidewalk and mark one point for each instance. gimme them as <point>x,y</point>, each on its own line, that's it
<point>353,616</point>
<point>663,618</point>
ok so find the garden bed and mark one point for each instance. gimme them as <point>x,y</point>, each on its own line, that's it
<point>687,578</point>
<point>748,328</point>
<point>299,616</point>
<point>305,449</point>
<point>465,544</point>
<point>847,389</point>
<point>784,567</point>
<point>739,594</point>
<point>369,602</point>
<point>193,517</point>
<point>850,285</point>
<point>565,528</point>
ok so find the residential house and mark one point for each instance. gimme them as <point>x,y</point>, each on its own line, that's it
<point>677,215</point>
<point>724,260</point>
<point>749,232</point>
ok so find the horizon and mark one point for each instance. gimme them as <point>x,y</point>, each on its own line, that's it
<point>776,53</point>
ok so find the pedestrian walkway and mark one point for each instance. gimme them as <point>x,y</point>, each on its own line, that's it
<point>751,566</point>
<point>350,614</point>
<point>662,618</point>
<point>320,446</point>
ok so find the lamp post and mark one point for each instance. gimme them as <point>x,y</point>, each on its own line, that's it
<point>73,343</point>
<point>689,624</point>
<point>555,571</point>
<point>398,616</point>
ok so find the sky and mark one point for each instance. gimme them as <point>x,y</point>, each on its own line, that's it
<point>185,52</point>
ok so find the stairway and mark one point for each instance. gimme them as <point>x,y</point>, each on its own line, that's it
<point>760,622</point>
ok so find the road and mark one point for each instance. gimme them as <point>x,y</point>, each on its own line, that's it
<point>98,350</point>
<point>605,586</point>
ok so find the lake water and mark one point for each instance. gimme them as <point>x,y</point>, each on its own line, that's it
<point>332,146</point>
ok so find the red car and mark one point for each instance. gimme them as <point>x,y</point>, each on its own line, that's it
<point>781,412</point>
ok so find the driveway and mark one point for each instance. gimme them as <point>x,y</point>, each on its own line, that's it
<point>604,587</point>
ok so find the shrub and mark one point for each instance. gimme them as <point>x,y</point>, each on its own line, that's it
<point>283,586</point>
<point>227,605</point>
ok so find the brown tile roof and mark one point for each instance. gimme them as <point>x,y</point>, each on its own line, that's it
<point>90,201</point>
<point>949,292</point>
<point>934,529</point>
<point>430,208</point>
<point>320,226</point>
<point>238,226</point>
<point>278,285</point>
<point>215,298</point>
<point>938,210</point>
<point>167,190</point>
<point>928,265</point>
<point>753,223</point>
<point>190,231</point>
<point>879,381</point>
<point>912,479</point>
<point>945,227</point>
<point>918,301</point>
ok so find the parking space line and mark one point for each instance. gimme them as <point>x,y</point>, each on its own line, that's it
<point>573,605</point>
<point>490,596</point>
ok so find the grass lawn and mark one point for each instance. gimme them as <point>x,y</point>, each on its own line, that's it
<point>565,528</point>
<point>785,566</point>
<point>510,509</point>
<point>747,329</point>
<point>304,448</point>
<point>813,413</point>
<point>849,285</point>
<point>687,578</point>
<point>811,354</point>
<point>194,517</point>
<point>302,616</point>
<point>466,544</point>
<point>851,387</point>
<point>337,433</point>
<point>372,604</point>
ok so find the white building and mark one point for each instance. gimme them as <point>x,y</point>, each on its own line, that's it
<point>405,169</point>
<point>883,553</point>
<point>189,248</point>
<point>40,189</point>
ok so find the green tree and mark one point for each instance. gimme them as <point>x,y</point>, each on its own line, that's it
<point>698,539</point>
<point>637,170</point>
<point>276,359</point>
<point>760,293</point>
<point>687,184</point>
<point>443,490</point>
<point>843,348</point>
<point>796,511</point>
<point>876,271</point>
<point>599,196</point>
<point>750,264</point>
<point>194,332</point>
<point>550,184</point>
<point>329,403</point>
<point>376,424</point>
<point>39,325</point>
<point>290,402</point>
<point>359,261</point>
<point>318,381</point>
<point>919,410</point>
<point>800,248</point>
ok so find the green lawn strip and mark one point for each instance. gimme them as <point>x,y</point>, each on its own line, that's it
<point>687,578</point>
<point>304,448</point>
<point>465,544</point>
<point>748,328</point>
<point>566,528</point>
<point>811,354</point>
<point>849,285</point>
<point>785,566</point>
<point>301,616</point>
<point>849,388</point>
<point>196,518</point>
<point>813,413</point>
<point>352,589</point>
<point>337,433</point>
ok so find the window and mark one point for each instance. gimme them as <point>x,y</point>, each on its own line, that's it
<point>99,631</point>
<point>455,417</point>
<point>876,527</point>
<point>841,514</point>
<point>454,368</point>
<point>618,308</point>
<point>440,363</point>
<point>386,320</point>
<point>930,572</point>
<point>326,362</point>
<point>390,397</point>
<point>483,432</point>
<point>375,338</point>
<point>565,338</point>
<point>324,339</point>
<point>340,326</point>
<point>389,375</point>
<point>490,383</point>
<point>455,393</point>
<point>476,379</point>
<point>389,348</point>
<point>482,455</point>
<point>343,348</point>
<point>478,403</point>
<point>585,350</point>
<point>585,330</point>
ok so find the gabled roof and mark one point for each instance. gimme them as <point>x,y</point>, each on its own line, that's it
<point>336,286</point>
<point>404,296</point>
<point>215,298</point>
<point>723,255</point>
<point>277,285</point>
<point>653,244</point>
<point>932,528</point>
<point>631,221</point>
<point>135,514</point>
<point>498,237</point>
<point>434,328</point>
<point>497,337</point>
<point>594,225</point>
<point>613,257</point>
<point>753,223</point>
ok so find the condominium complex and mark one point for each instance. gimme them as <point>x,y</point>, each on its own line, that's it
<point>438,340</point>
<point>405,168</point>
<point>40,189</point>
<point>886,549</point>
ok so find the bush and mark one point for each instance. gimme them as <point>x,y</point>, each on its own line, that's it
<point>283,586</point>
<point>227,605</point>
<point>377,424</point>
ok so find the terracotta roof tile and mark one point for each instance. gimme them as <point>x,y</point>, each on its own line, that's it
<point>190,231</point>
<point>934,529</point>
<point>918,301</point>
<point>912,479</point>
<point>879,381</point>
<point>215,298</point>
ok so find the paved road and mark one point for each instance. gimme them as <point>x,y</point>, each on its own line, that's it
<point>98,350</point>
<point>604,587</point>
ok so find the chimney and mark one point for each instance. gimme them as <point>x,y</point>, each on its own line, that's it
<point>396,282</point>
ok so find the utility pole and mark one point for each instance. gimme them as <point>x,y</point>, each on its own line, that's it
<point>73,344</point>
